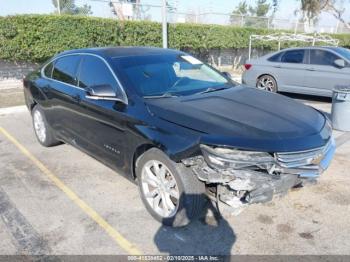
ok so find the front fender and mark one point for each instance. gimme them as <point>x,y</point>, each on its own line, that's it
<point>176,145</point>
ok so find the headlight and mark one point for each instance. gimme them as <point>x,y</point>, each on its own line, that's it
<point>219,157</point>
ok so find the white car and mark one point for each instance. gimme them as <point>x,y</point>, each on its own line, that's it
<point>307,70</point>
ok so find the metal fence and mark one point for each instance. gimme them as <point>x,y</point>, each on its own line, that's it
<point>135,10</point>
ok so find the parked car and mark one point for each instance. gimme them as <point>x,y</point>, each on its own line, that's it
<point>177,127</point>
<point>307,70</point>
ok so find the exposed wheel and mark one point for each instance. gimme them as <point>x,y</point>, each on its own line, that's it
<point>267,83</point>
<point>42,130</point>
<point>171,193</point>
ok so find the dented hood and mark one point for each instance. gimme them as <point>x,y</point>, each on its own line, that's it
<point>246,118</point>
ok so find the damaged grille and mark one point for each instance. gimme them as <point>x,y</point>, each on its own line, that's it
<point>305,159</point>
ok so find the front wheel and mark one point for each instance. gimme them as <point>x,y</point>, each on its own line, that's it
<point>267,83</point>
<point>171,193</point>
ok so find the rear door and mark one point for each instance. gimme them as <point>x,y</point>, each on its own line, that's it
<point>323,75</point>
<point>63,93</point>
<point>289,71</point>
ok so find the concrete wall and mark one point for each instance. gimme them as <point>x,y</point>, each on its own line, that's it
<point>15,70</point>
<point>12,73</point>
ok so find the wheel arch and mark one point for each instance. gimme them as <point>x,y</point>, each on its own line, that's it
<point>32,105</point>
<point>175,156</point>
<point>141,149</point>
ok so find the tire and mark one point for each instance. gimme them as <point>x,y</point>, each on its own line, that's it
<point>267,83</point>
<point>42,130</point>
<point>190,200</point>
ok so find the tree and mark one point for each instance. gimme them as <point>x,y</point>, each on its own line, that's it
<point>138,12</point>
<point>241,9</point>
<point>69,7</point>
<point>261,8</point>
<point>311,9</point>
<point>259,12</point>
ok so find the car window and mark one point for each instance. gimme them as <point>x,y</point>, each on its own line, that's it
<point>322,57</point>
<point>65,69</point>
<point>48,70</point>
<point>342,51</point>
<point>94,71</point>
<point>276,57</point>
<point>293,56</point>
<point>175,74</point>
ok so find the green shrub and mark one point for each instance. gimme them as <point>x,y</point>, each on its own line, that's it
<point>36,38</point>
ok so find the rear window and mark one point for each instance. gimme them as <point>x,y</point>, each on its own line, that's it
<point>293,56</point>
<point>276,57</point>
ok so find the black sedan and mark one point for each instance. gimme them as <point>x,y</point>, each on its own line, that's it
<point>179,128</point>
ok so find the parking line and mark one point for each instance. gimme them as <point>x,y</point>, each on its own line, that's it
<point>116,236</point>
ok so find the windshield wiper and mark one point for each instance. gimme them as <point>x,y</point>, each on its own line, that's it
<point>165,95</point>
<point>212,89</point>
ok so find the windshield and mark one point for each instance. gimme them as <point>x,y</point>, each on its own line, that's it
<point>164,75</point>
<point>343,52</point>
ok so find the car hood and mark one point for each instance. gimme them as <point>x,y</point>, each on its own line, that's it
<point>245,118</point>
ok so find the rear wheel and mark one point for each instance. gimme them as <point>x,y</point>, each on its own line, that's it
<point>170,192</point>
<point>42,130</point>
<point>267,83</point>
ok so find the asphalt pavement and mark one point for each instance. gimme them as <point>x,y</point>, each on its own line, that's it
<point>60,201</point>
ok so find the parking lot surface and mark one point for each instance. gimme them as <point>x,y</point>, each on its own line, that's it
<point>60,201</point>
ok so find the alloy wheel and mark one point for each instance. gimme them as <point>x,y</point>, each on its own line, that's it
<point>266,83</point>
<point>39,126</point>
<point>160,188</point>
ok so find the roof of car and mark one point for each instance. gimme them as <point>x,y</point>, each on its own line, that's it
<point>311,47</point>
<point>111,52</point>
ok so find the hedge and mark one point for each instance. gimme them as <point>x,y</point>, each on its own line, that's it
<point>35,38</point>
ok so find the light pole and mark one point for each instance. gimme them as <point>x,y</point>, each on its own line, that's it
<point>58,7</point>
<point>164,25</point>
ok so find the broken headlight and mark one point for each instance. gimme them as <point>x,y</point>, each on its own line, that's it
<point>222,158</point>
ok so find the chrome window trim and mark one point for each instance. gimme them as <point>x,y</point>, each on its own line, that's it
<point>124,98</point>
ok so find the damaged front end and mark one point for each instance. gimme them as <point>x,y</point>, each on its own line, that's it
<point>238,177</point>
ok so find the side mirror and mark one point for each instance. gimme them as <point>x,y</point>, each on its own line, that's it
<point>227,74</point>
<point>102,92</point>
<point>339,63</point>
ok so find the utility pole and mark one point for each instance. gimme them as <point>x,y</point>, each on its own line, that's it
<point>164,24</point>
<point>58,7</point>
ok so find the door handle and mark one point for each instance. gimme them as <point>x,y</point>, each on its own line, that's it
<point>277,66</point>
<point>311,69</point>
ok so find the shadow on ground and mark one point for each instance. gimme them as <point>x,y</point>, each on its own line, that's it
<point>309,98</point>
<point>211,234</point>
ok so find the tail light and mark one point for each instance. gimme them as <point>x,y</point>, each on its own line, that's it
<point>247,66</point>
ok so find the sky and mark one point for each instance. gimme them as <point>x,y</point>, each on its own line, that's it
<point>8,7</point>
<point>100,8</point>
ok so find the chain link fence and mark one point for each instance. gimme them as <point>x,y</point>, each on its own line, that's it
<point>135,10</point>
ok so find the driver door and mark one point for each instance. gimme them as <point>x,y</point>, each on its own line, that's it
<point>323,75</point>
<point>99,126</point>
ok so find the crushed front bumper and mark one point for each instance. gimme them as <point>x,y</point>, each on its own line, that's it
<point>235,187</point>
